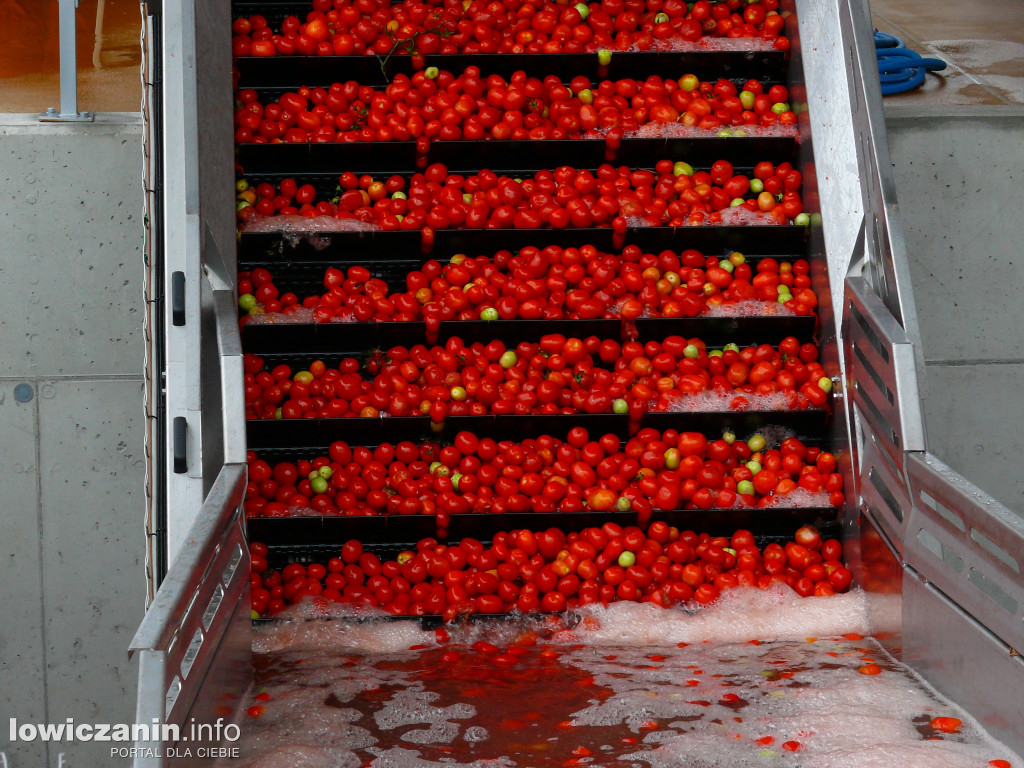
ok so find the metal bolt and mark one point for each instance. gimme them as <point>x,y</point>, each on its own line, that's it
<point>23,393</point>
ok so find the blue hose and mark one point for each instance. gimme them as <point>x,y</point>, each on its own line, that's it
<point>900,69</point>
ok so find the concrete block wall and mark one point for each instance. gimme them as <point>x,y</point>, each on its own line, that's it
<point>958,175</point>
<point>72,501</point>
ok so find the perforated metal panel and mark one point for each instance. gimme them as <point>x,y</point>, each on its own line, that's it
<point>194,642</point>
<point>882,373</point>
<point>967,545</point>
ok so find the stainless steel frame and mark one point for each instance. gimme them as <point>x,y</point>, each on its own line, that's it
<point>194,646</point>
<point>194,643</point>
<point>69,66</point>
<point>193,281</point>
<point>961,553</point>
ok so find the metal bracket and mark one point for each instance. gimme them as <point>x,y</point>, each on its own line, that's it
<point>68,72</point>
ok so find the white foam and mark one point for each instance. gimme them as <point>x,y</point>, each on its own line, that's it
<point>306,225</point>
<point>299,315</point>
<point>713,401</point>
<point>380,636</point>
<point>799,497</point>
<point>399,757</point>
<point>751,44</point>
<point>740,615</point>
<point>682,131</point>
<point>758,668</point>
<point>740,216</point>
<point>749,308</point>
<point>637,222</point>
<point>305,756</point>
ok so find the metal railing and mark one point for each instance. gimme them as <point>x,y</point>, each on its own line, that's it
<point>962,551</point>
<point>194,643</point>
<point>68,112</point>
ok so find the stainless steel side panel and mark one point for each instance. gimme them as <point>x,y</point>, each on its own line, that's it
<point>963,660</point>
<point>968,546</point>
<point>194,643</point>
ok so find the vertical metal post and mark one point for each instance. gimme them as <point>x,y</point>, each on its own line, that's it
<point>68,70</point>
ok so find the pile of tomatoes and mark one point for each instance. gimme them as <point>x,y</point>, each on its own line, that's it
<point>379,27</point>
<point>550,283</point>
<point>651,471</point>
<point>671,194</point>
<point>438,105</point>
<point>557,375</point>
<point>529,571</point>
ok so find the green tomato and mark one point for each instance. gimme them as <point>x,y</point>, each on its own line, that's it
<point>756,186</point>
<point>604,57</point>
<point>246,301</point>
<point>586,96</point>
<point>691,351</point>
<point>619,405</point>
<point>682,169</point>
<point>780,107</point>
<point>745,488</point>
<point>431,73</point>
<point>731,348</point>
<point>584,10</point>
<point>802,220</point>
<point>455,480</point>
<point>729,437</point>
<point>727,265</point>
<point>756,443</point>
<point>623,505</point>
<point>318,484</point>
<point>325,472</point>
<point>825,384</point>
<point>747,99</point>
<point>754,466</point>
<point>489,315</point>
<point>508,359</point>
<point>627,559</point>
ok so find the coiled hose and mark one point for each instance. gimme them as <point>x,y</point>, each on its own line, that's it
<point>899,68</point>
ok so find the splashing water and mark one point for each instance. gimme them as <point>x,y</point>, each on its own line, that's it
<point>299,315</point>
<point>748,44</point>
<point>681,131</point>
<point>740,216</point>
<point>749,308</point>
<point>315,230</point>
<point>723,401</point>
<point>739,683</point>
